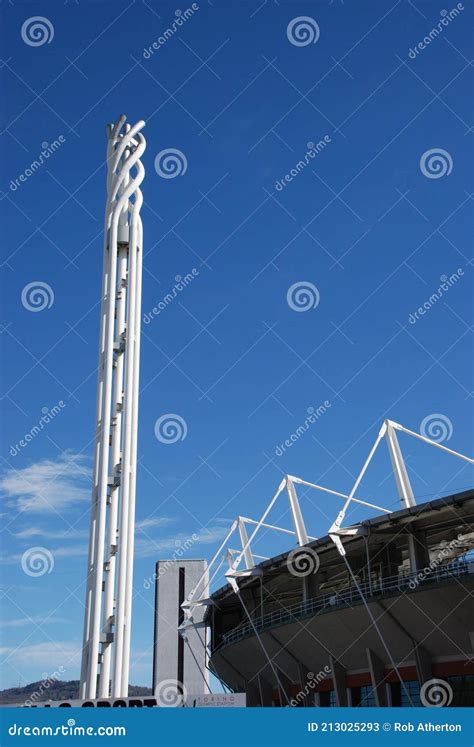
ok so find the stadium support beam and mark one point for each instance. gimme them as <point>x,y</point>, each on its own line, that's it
<point>399,469</point>
<point>418,550</point>
<point>265,688</point>
<point>423,664</point>
<point>388,430</point>
<point>296,514</point>
<point>253,694</point>
<point>339,681</point>
<point>237,561</point>
<point>306,684</point>
<point>284,687</point>
<point>429,441</point>
<point>334,529</point>
<point>108,605</point>
<point>244,540</point>
<point>190,602</point>
<point>311,586</point>
<point>376,669</point>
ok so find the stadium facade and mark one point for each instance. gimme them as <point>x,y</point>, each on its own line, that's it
<point>375,613</point>
<point>327,647</point>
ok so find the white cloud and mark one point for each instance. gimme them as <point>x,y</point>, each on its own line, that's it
<point>69,551</point>
<point>151,523</point>
<point>48,485</point>
<point>21,622</point>
<point>147,547</point>
<point>64,551</point>
<point>208,535</point>
<point>69,534</point>
<point>50,656</point>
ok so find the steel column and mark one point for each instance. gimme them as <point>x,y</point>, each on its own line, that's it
<point>109,584</point>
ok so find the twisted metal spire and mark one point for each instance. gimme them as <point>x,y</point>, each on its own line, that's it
<point>107,622</point>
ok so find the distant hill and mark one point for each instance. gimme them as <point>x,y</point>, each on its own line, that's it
<point>57,690</point>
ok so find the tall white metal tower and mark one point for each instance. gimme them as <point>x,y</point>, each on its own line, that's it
<point>107,622</point>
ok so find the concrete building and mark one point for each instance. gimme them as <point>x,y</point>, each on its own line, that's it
<point>179,658</point>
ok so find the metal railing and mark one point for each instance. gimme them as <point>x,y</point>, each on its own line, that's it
<point>348,598</point>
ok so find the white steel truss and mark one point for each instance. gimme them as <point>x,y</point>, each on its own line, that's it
<point>336,530</point>
<point>108,606</point>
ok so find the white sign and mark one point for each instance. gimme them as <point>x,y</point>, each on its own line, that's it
<point>216,700</point>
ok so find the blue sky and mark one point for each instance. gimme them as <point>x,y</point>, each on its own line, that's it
<point>371,222</point>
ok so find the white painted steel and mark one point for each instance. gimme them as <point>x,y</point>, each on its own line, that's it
<point>299,481</point>
<point>405,490</point>
<point>272,526</point>
<point>350,497</point>
<point>296,514</point>
<point>336,531</point>
<point>109,583</point>
<point>244,541</point>
<point>429,441</point>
